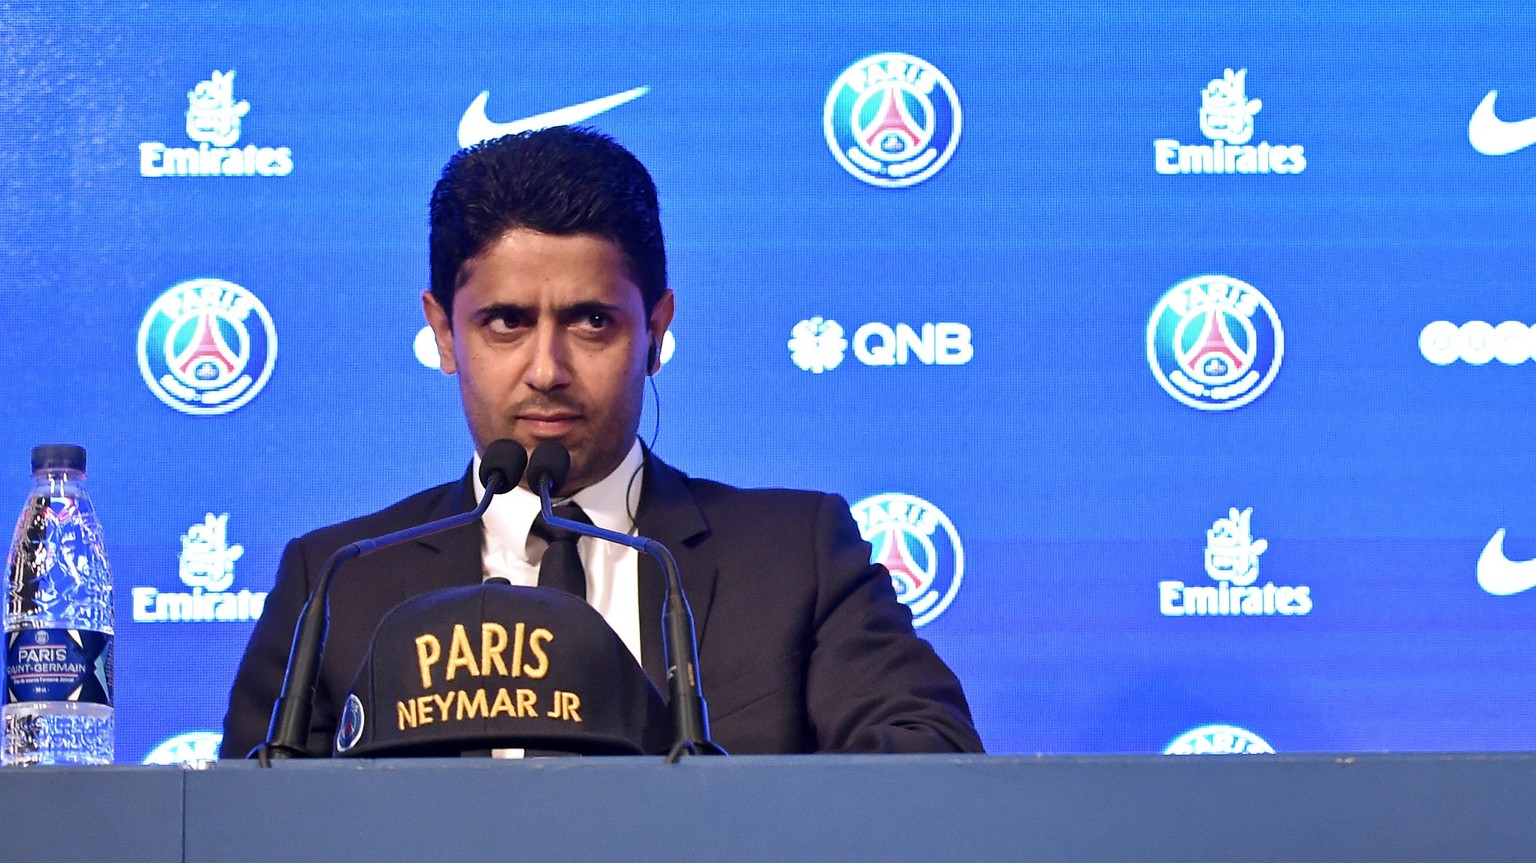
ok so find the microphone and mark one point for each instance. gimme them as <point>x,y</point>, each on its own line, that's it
<point>548,468</point>
<point>549,465</point>
<point>503,462</point>
<point>501,467</point>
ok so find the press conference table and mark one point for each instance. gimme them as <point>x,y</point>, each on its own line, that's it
<point>1463,807</point>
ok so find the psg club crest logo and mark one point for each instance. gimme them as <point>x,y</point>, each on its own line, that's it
<point>207,347</point>
<point>1215,343</point>
<point>918,544</point>
<point>892,120</point>
<point>188,748</point>
<point>351,729</point>
<point>1218,740</point>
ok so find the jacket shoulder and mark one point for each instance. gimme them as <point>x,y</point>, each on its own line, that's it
<point>716,497</point>
<point>414,510</point>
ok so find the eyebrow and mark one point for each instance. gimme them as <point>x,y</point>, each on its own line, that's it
<point>573,310</point>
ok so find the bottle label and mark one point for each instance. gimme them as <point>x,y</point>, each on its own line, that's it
<point>58,665</point>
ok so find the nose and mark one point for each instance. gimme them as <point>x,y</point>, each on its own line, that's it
<point>548,367</point>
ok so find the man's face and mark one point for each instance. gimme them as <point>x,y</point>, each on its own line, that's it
<point>549,339</point>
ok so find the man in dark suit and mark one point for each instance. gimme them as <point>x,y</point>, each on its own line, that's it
<point>549,302</point>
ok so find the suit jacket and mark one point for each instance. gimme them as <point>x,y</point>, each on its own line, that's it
<point>803,645</point>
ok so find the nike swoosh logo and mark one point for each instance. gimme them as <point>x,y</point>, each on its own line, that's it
<point>1494,137</point>
<point>475,127</point>
<point>1501,576</point>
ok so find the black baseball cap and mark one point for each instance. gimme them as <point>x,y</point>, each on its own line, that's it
<point>494,665</point>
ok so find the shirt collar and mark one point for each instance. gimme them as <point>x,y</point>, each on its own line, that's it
<point>607,502</point>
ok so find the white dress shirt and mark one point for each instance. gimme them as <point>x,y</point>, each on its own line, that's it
<point>613,586</point>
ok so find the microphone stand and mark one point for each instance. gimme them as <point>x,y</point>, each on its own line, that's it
<point>289,732</point>
<point>690,717</point>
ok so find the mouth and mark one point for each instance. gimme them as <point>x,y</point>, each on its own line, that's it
<point>549,425</point>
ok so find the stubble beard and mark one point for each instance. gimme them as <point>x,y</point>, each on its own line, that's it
<point>608,451</point>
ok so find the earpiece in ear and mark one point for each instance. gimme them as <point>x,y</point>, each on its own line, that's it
<point>652,359</point>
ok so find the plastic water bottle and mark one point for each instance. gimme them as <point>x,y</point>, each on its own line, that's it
<point>58,622</point>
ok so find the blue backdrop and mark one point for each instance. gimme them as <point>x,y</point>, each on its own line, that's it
<point>1178,358</point>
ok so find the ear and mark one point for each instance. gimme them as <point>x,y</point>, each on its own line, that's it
<point>442,329</point>
<point>661,318</point>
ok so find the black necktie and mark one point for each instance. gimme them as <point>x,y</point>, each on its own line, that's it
<point>560,568</point>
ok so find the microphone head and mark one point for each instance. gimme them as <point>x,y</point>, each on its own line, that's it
<point>550,463</point>
<point>504,459</point>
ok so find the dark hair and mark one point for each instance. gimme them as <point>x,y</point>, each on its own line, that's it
<point>561,181</point>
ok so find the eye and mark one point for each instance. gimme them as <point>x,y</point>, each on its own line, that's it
<point>592,321</point>
<point>503,323</point>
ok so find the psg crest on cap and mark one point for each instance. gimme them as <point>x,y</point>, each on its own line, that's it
<point>493,666</point>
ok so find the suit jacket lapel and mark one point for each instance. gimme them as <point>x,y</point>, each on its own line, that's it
<point>448,559</point>
<point>669,514</point>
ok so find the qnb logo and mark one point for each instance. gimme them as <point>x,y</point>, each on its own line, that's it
<point>213,123</point>
<point>1477,343</point>
<point>193,747</point>
<point>207,566</point>
<point>1218,740</point>
<point>892,120</point>
<point>207,347</point>
<point>1214,343</point>
<point>819,344</point>
<point>1226,119</point>
<point>1232,561</point>
<point>918,545</point>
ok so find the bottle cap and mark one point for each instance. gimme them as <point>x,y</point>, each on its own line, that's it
<point>63,456</point>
